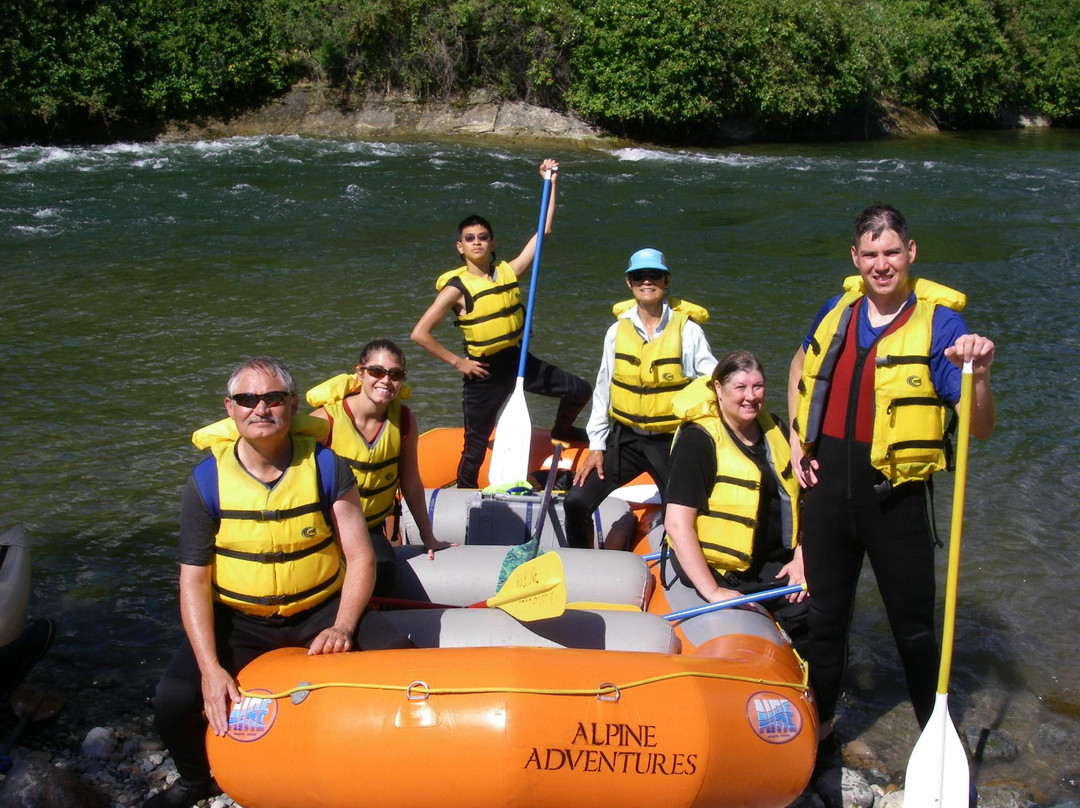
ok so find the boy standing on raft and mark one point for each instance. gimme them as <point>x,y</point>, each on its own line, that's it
<point>485,297</point>
<point>867,392</point>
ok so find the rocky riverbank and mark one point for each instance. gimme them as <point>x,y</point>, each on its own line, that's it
<point>314,110</point>
<point>319,111</point>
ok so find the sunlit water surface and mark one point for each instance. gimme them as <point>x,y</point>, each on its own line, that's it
<point>135,276</point>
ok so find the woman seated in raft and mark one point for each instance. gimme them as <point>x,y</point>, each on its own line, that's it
<point>376,435</point>
<point>732,499</point>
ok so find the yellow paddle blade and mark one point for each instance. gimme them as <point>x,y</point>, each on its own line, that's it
<point>535,590</point>
<point>604,607</point>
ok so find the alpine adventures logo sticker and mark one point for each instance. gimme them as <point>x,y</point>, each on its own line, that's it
<point>774,718</point>
<point>252,717</point>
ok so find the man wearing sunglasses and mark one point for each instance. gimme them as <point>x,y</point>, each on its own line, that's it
<point>485,297</point>
<point>655,348</point>
<point>273,553</point>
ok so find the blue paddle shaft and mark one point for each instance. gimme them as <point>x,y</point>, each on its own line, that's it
<point>545,195</point>
<point>754,597</point>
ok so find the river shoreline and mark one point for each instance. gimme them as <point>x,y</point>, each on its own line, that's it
<point>318,110</point>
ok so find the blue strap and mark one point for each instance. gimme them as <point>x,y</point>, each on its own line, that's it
<point>205,475</point>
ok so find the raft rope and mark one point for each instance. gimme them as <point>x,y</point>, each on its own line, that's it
<point>419,690</point>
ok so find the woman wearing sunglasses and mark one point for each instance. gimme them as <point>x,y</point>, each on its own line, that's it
<point>376,434</point>
<point>652,350</point>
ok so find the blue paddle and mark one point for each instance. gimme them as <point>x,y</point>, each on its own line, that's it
<point>753,597</point>
<point>513,432</point>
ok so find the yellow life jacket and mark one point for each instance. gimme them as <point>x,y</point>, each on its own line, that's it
<point>909,417</point>
<point>275,552</point>
<point>646,375</point>
<point>375,467</point>
<point>726,531</point>
<point>492,316</point>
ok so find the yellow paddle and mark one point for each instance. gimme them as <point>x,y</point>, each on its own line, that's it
<point>534,590</point>
<point>937,771</point>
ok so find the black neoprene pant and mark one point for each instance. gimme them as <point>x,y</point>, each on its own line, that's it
<point>482,397</point>
<point>626,455</point>
<point>845,519</point>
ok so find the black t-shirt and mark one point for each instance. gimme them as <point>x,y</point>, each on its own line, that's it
<point>693,473</point>
<point>198,527</point>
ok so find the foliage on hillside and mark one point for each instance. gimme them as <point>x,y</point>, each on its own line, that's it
<point>660,67</point>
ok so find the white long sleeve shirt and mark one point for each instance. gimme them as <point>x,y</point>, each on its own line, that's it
<point>697,360</point>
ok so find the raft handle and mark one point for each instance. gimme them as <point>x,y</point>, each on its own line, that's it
<point>607,691</point>
<point>300,693</point>
<point>422,689</point>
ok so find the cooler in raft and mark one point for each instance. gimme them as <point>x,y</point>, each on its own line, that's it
<point>596,707</point>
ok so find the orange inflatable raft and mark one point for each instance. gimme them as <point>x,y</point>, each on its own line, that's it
<point>598,706</point>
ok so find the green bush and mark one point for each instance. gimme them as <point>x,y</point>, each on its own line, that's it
<point>673,62</point>
<point>663,68</point>
<point>950,58</point>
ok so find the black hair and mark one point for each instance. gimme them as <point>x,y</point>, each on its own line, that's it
<point>381,344</point>
<point>474,219</point>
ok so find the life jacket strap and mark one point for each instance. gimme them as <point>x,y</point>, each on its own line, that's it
<point>274,558</point>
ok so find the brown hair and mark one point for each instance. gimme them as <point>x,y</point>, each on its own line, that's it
<point>736,362</point>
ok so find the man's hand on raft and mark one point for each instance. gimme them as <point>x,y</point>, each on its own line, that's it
<point>331,640</point>
<point>220,693</point>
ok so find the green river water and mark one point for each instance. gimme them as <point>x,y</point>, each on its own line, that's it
<point>134,276</point>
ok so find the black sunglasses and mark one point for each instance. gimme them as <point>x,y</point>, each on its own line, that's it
<point>275,398</point>
<point>642,275</point>
<point>469,238</point>
<point>378,371</point>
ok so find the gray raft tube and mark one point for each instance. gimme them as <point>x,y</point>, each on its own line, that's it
<point>468,516</point>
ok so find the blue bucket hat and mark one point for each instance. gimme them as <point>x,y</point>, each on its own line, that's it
<point>647,259</point>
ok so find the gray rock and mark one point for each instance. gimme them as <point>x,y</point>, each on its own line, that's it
<point>1051,735</point>
<point>1006,796</point>
<point>1071,781</point>
<point>99,744</point>
<point>989,744</point>
<point>35,784</point>
<point>1068,802</point>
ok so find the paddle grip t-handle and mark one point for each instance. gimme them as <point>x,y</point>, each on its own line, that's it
<point>545,196</point>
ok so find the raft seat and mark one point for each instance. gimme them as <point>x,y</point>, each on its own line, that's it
<point>468,516</point>
<point>466,575</point>
<point>479,628</point>
<point>460,576</point>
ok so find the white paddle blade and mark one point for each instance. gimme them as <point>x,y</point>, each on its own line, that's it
<point>513,439</point>
<point>937,771</point>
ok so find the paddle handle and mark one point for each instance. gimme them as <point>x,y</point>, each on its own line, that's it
<point>545,197</point>
<point>963,433</point>
<point>545,502</point>
<point>754,597</point>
